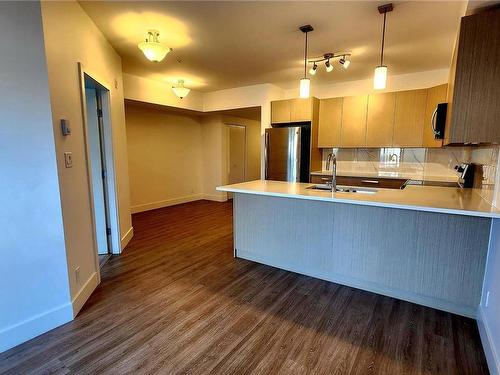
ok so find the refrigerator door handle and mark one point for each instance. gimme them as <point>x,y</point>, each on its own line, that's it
<point>266,145</point>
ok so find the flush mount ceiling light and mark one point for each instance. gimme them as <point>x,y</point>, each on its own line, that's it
<point>328,58</point>
<point>152,48</point>
<point>380,75</point>
<point>305,83</point>
<point>180,90</point>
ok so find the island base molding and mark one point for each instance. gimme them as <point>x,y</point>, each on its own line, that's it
<point>432,259</point>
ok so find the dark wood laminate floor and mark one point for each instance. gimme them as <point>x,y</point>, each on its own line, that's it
<point>176,301</point>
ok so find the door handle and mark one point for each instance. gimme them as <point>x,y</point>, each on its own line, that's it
<point>433,121</point>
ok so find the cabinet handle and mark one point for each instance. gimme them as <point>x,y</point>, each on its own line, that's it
<point>370,181</point>
<point>325,179</point>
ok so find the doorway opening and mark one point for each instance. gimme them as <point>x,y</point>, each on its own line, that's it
<point>236,136</point>
<point>99,147</point>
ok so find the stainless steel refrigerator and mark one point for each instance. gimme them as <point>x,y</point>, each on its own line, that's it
<point>288,153</point>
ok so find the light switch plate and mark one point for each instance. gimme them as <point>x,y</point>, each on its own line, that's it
<point>65,128</point>
<point>68,159</point>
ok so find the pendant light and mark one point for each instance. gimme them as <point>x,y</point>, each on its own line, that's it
<point>380,76</point>
<point>180,90</point>
<point>152,48</point>
<point>305,83</point>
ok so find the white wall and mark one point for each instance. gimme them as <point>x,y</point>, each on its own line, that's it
<point>164,153</point>
<point>34,291</point>
<point>71,37</point>
<point>489,315</point>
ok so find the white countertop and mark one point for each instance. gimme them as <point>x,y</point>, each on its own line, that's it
<point>413,171</point>
<point>420,198</point>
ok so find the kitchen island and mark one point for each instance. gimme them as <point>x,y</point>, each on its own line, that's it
<point>422,244</point>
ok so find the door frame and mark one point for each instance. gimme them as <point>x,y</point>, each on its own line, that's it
<point>111,184</point>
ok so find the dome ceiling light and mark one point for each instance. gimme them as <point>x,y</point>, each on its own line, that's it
<point>152,48</point>
<point>180,90</point>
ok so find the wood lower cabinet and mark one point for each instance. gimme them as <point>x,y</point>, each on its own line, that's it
<point>435,95</point>
<point>409,118</point>
<point>353,132</point>
<point>330,121</point>
<point>380,120</point>
<point>372,182</point>
<point>476,95</point>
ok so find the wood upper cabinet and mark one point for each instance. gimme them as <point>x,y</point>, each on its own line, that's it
<point>300,110</point>
<point>280,111</point>
<point>330,121</point>
<point>380,120</point>
<point>409,118</point>
<point>353,132</point>
<point>435,95</point>
<point>476,95</point>
<point>292,110</point>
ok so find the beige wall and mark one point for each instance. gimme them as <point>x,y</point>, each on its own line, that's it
<point>164,154</point>
<point>71,37</point>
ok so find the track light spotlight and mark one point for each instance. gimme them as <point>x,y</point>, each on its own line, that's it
<point>345,63</point>
<point>312,71</point>
<point>329,66</point>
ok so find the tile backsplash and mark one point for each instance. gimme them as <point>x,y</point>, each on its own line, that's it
<point>447,157</point>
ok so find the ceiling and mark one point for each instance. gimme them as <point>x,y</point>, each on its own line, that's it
<point>218,45</point>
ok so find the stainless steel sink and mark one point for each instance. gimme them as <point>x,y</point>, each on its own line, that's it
<point>343,189</point>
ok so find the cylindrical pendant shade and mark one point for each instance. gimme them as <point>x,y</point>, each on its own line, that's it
<point>305,84</point>
<point>380,78</point>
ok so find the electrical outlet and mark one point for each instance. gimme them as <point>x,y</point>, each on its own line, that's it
<point>487,300</point>
<point>77,274</point>
<point>68,159</point>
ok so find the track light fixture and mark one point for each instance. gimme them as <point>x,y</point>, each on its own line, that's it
<point>327,58</point>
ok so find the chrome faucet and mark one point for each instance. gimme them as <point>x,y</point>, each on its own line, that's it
<point>332,159</point>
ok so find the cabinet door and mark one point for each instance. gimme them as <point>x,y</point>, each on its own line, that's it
<point>380,120</point>
<point>476,107</point>
<point>280,111</point>
<point>409,118</point>
<point>435,95</point>
<point>330,120</point>
<point>300,110</point>
<point>353,132</point>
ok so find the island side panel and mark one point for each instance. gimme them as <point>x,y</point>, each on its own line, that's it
<point>433,259</point>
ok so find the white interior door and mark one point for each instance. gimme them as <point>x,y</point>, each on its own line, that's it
<point>96,160</point>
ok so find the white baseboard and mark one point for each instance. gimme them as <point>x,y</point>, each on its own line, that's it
<point>215,197</point>
<point>488,345</point>
<point>83,295</point>
<point>35,326</point>
<point>127,237</point>
<point>165,203</point>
